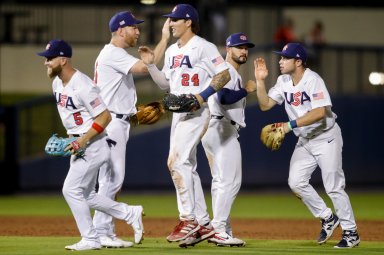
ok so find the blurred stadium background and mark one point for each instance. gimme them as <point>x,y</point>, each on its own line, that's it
<point>28,115</point>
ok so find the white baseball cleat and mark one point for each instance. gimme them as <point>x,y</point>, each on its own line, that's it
<point>125,244</point>
<point>114,242</point>
<point>137,224</point>
<point>223,239</point>
<point>83,246</point>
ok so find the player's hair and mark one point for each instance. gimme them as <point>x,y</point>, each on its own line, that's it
<point>195,28</point>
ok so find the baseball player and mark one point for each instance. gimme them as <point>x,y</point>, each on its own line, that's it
<point>308,106</point>
<point>114,69</point>
<point>221,140</point>
<point>84,115</point>
<point>190,66</point>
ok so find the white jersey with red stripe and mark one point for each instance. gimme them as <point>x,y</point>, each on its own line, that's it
<point>78,102</point>
<point>117,87</point>
<point>308,94</point>
<point>190,68</point>
<point>233,111</point>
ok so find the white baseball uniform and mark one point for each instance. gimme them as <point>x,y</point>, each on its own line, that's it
<point>190,69</point>
<point>118,91</point>
<point>319,144</point>
<point>78,104</point>
<point>224,153</point>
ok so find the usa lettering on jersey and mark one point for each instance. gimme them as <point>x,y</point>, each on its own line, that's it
<point>180,60</point>
<point>296,98</point>
<point>64,101</point>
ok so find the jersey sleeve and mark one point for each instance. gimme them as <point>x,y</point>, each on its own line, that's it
<point>122,61</point>
<point>91,98</point>
<point>167,65</point>
<point>276,92</point>
<point>212,61</point>
<point>318,93</point>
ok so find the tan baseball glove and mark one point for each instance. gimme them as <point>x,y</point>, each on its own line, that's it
<point>272,136</point>
<point>147,114</point>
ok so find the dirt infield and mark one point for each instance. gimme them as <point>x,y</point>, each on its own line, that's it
<point>161,227</point>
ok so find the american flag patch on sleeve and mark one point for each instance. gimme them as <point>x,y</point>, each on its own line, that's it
<point>95,103</point>
<point>318,96</point>
<point>217,61</point>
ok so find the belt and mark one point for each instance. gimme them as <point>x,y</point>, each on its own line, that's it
<point>76,135</point>
<point>122,116</point>
<point>220,117</point>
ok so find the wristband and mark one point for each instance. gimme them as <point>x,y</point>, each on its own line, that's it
<point>207,93</point>
<point>97,127</point>
<point>292,124</point>
<point>289,126</point>
<point>75,145</point>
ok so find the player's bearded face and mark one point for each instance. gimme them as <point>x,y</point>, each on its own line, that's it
<point>54,71</point>
<point>240,55</point>
<point>131,35</point>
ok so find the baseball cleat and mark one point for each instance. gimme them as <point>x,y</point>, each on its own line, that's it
<point>202,234</point>
<point>83,246</point>
<point>349,239</point>
<point>224,239</point>
<point>125,244</point>
<point>114,242</point>
<point>183,230</point>
<point>137,224</point>
<point>108,242</point>
<point>327,228</point>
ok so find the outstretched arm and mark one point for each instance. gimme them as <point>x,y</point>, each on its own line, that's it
<point>149,56</point>
<point>261,73</point>
<point>162,45</point>
<point>217,83</point>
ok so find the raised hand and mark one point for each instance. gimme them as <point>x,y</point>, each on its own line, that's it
<point>261,71</point>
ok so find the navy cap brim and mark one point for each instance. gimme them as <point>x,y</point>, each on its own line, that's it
<point>250,45</point>
<point>138,21</point>
<point>45,54</point>
<point>283,54</point>
<point>172,16</point>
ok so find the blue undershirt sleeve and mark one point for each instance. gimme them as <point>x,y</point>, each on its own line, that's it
<point>229,96</point>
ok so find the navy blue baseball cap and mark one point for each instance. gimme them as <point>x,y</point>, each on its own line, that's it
<point>238,39</point>
<point>184,11</point>
<point>293,50</point>
<point>123,19</point>
<point>57,48</point>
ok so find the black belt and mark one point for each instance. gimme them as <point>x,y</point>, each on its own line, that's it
<point>77,135</point>
<point>220,117</point>
<point>121,116</point>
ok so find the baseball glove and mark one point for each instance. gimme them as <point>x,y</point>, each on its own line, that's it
<point>272,136</point>
<point>56,145</point>
<point>147,114</point>
<point>181,103</point>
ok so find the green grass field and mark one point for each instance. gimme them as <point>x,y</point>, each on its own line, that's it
<point>367,206</point>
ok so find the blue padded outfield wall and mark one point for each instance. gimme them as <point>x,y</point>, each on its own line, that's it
<point>360,118</point>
